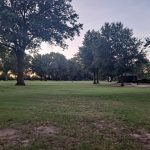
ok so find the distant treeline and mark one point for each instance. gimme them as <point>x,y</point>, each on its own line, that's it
<point>53,66</point>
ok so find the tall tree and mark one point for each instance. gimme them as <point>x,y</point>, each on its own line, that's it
<point>125,52</point>
<point>113,51</point>
<point>25,23</point>
<point>88,53</point>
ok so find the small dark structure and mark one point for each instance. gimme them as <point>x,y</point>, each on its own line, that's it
<point>128,78</point>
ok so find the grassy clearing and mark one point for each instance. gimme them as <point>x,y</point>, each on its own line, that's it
<point>89,116</point>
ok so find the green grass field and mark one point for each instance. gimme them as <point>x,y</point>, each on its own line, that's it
<point>86,116</point>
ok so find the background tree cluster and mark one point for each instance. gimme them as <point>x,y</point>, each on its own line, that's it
<point>113,51</point>
<point>53,66</point>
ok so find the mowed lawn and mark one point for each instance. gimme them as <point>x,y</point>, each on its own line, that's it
<point>74,116</point>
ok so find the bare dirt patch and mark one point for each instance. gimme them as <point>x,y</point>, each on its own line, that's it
<point>103,125</point>
<point>139,136</point>
<point>24,135</point>
<point>25,142</point>
<point>46,130</point>
<point>142,137</point>
<point>8,134</point>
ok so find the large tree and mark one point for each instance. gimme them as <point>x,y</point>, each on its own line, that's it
<point>89,53</point>
<point>113,51</point>
<point>125,52</point>
<point>24,24</point>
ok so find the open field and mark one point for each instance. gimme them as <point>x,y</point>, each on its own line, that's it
<point>74,116</point>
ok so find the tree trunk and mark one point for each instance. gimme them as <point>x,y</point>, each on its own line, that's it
<point>20,68</point>
<point>97,76</point>
<point>94,77</point>
<point>122,80</point>
<point>6,75</point>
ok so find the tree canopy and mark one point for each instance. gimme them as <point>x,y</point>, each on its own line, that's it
<point>52,66</point>
<point>125,49</point>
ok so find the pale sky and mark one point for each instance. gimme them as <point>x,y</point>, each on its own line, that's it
<point>93,14</point>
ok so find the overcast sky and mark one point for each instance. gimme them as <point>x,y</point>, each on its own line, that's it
<point>134,14</point>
